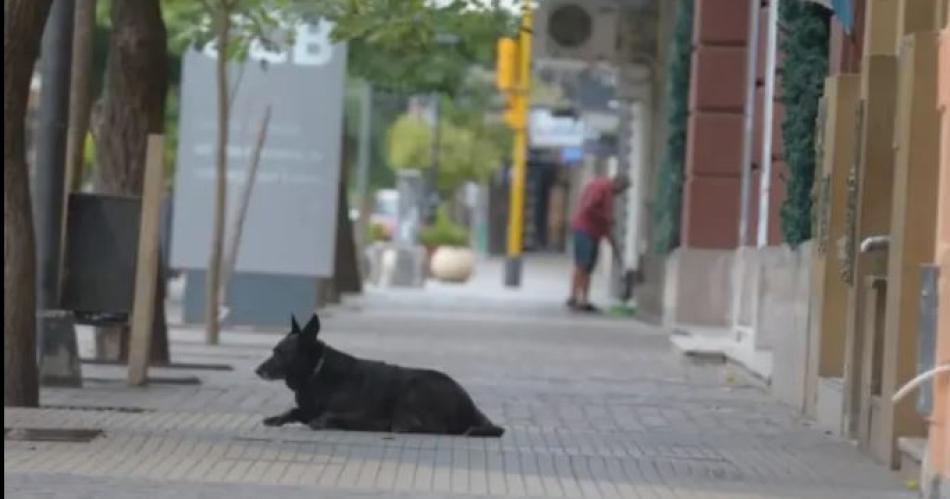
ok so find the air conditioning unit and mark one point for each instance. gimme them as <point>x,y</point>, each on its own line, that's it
<point>580,30</point>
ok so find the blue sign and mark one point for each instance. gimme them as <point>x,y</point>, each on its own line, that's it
<point>572,155</point>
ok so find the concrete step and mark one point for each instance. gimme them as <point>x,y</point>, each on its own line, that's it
<point>912,450</point>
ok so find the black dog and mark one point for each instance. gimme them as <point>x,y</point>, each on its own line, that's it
<point>338,391</point>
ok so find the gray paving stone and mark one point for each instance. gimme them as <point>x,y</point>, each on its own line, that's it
<point>593,408</point>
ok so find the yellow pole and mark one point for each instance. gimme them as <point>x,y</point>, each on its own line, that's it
<point>519,157</point>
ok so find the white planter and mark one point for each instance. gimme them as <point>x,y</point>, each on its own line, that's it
<point>452,264</point>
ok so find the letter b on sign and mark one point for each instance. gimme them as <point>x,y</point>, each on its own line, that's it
<point>312,46</point>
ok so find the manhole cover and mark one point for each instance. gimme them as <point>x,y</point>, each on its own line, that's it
<point>51,434</point>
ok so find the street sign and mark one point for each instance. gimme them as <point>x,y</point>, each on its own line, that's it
<point>549,131</point>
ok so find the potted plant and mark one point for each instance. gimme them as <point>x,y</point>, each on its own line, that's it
<point>451,260</point>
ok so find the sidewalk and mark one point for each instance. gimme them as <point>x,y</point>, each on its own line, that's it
<point>594,407</point>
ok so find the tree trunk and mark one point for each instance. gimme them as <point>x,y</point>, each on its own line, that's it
<point>346,272</point>
<point>23,22</point>
<point>80,98</point>
<point>212,301</point>
<point>237,227</point>
<point>132,107</point>
<point>80,106</point>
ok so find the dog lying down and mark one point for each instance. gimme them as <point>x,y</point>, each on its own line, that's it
<point>335,390</point>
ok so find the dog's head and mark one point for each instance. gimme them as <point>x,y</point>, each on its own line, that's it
<point>296,355</point>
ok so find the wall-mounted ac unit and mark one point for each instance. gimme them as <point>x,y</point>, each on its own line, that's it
<point>583,30</point>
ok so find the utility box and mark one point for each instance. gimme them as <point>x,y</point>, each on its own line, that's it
<point>577,30</point>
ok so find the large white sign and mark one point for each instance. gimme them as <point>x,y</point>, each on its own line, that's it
<point>291,220</point>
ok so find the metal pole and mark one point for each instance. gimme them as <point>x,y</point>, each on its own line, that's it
<point>520,151</point>
<point>84,27</point>
<point>363,163</point>
<point>768,112</point>
<point>748,139</point>
<point>433,198</point>
<point>48,184</point>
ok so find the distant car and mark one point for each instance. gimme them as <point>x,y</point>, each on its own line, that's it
<point>386,210</point>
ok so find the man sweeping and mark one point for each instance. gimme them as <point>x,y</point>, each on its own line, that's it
<point>592,221</point>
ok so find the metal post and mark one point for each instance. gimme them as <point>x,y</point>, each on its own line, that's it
<point>768,112</point>
<point>432,200</point>
<point>520,151</point>
<point>748,138</point>
<point>57,339</point>
<point>84,27</point>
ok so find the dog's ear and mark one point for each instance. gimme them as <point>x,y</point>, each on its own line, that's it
<point>312,328</point>
<point>294,327</point>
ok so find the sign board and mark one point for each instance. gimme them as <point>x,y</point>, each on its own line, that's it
<point>291,219</point>
<point>547,130</point>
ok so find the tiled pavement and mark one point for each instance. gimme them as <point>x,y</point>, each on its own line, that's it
<point>593,407</point>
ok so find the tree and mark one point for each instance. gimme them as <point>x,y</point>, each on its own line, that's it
<point>406,47</point>
<point>222,23</point>
<point>23,22</point>
<point>397,29</point>
<point>80,92</point>
<point>131,107</point>
<point>414,46</point>
<point>466,153</point>
<point>233,27</point>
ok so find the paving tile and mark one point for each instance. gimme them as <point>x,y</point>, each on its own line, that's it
<point>592,408</point>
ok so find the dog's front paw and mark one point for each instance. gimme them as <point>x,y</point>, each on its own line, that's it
<point>275,421</point>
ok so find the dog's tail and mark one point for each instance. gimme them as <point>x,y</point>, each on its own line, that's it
<point>485,430</point>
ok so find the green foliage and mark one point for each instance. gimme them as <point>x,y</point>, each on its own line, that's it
<point>410,140</point>
<point>805,43</point>
<point>379,233</point>
<point>444,232</point>
<point>401,46</point>
<point>411,46</point>
<point>466,152</point>
<point>415,46</point>
<point>386,108</point>
<point>190,23</point>
<point>666,211</point>
<point>470,108</point>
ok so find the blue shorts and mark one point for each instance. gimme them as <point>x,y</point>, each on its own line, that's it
<point>585,250</point>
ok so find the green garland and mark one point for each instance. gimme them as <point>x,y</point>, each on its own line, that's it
<point>805,34</point>
<point>666,211</point>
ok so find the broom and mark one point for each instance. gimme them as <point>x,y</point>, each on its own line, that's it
<point>624,309</point>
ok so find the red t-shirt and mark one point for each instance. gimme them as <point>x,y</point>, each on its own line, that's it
<point>595,212</point>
